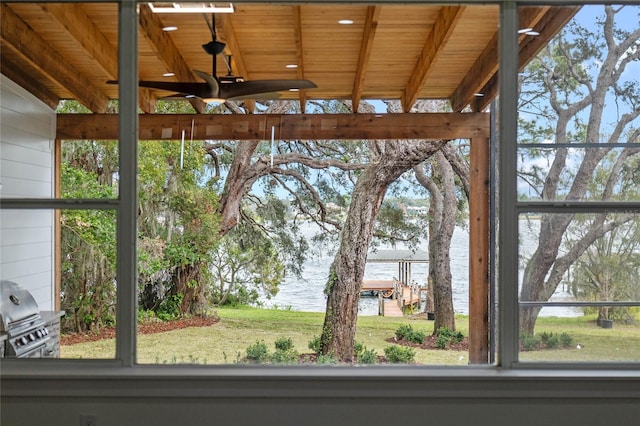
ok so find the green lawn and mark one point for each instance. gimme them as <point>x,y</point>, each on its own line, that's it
<point>227,341</point>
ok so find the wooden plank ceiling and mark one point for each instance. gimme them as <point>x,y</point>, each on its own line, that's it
<point>406,52</point>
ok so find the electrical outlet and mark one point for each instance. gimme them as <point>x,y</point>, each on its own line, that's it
<point>88,420</point>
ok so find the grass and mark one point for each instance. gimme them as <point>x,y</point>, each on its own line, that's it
<point>227,341</point>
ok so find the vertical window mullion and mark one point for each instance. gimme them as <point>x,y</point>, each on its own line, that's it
<point>127,148</point>
<point>508,323</point>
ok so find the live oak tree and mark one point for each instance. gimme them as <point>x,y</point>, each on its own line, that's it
<point>578,90</point>
<point>390,159</point>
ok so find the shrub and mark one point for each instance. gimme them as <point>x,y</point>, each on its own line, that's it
<point>358,348</point>
<point>399,354</point>
<point>566,341</point>
<point>258,352</point>
<point>529,342</point>
<point>406,332</point>
<point>442,341</point>
<point>284,344</point>
<point>447,336</point>
<point>280,356</point>
<point>314,345</point>
<point>326,359</point>
<point>403,331</point>
<point>550,340</point>
<point>367,356</point>
<point>170,308</point>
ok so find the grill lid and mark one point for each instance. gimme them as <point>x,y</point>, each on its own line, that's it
<point>17,306</point>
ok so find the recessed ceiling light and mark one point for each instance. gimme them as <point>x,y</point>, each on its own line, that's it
<point>171,28</point>
<point>479,95</point>
<point>294,89</point>
<point>291,66</point>
<point>168,74</point>
<point>532,33</point>
<point>524,30</point>
<point>345,22</point>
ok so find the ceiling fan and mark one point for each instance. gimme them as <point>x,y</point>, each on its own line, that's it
<point>216,89</point>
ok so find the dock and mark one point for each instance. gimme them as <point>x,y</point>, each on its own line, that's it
<point>393,295</point>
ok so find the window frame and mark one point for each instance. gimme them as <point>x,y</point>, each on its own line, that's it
<point>509,209</point>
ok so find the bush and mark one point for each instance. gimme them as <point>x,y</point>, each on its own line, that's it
<point>284,344</point>
<point>326,359</point>
<point>170,307</point>
<point>442,341</point>
<point>550,340</point>
<point>314,345</point>
<point>445,337</point>
<point>403,331</point>
<point>280,356</point>
<point>258,352</point>
<point>566,341</point>
<point>358,348</point>
<point>529,342</point>
<point>367,356</point>
<point>406,332</point>
<point>399,354</point>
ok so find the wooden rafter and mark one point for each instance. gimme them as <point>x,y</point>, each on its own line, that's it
<point>297,29</point>
<point>433,46</point>
<point>549,24</point>
<point>24,42</point>
<point>166,50</point>
<point>287,126</point>
<point>486,66</point>
<point>368,35</point>
<point>17,74</point>
<point>74,21</point>
<point>226,32</point>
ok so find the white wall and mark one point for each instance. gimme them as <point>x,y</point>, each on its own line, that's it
<point>27,133</point>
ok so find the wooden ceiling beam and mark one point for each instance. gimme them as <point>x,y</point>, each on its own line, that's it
<point>368,35</point>
<point>31,47</point>
<point>226,33</point>
<point>297,28</point>
<point>287,126</point>
<point>434,45</point>
<point>17,74</point>
<point>166,50</point>
<point>486,66</point>
<point>548,25</point>
<point>74,21</point>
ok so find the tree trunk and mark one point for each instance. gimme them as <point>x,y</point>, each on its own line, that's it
<point>389,161</point>
<point>442,294</point>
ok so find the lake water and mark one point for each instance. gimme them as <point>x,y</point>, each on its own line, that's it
<point>307,293</point>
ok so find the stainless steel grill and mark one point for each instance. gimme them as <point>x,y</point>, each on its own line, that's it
<point>26,332</point>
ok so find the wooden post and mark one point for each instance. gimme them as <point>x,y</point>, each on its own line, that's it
<point>57,226</point>
<point>479,252</point>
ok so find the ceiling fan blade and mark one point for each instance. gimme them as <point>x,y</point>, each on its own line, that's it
<point>211,81</point>
<point>174,86</point>
<point>252,89</point>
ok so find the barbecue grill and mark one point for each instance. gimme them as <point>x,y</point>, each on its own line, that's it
<point>26,332</point>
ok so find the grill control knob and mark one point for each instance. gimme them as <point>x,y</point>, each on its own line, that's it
<point>31,337</point>
<point>23,340</point>
<point>39,334</point>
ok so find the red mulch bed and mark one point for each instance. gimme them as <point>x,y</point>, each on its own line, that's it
<point>145,328</point>
<point>430,343</point>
